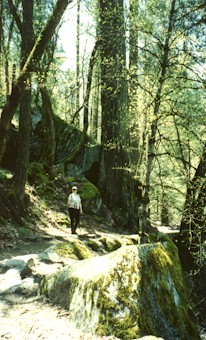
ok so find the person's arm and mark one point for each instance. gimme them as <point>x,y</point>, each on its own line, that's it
<point>80,207</point>
<point>69,200</point>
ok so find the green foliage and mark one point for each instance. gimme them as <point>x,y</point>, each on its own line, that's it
<point>24,232</point>
<point>36,174</point>
<point>44,186</point>
<point>176,108</point>
<point>5,174</point>
<point>166,89</point>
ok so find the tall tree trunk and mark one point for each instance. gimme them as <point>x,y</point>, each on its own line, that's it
<point>1,51</point>
<point>193,224</point>
<point>33,58</point>
<point>115,177</point>
<point>20,176</point>
<point>95,115</point>
<point>133,37</point>
<point>78,57</point>
<point>50,136</point>
<point>133,81</point>
<point>4,53</point>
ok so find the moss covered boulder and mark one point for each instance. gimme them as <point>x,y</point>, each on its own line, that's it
<point>74,249</point>
<point>130,293</point>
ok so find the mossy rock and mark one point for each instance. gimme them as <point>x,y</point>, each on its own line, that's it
<point>96,245</point>
<point>36,174</point>
<point>167,293</point>
<point>74,249</point>
<point>110,243</point>
<point>63,221</point>
<point>132,292</point>
<point>107,244</point>
<point>131,239</point>
<point>89,192</point>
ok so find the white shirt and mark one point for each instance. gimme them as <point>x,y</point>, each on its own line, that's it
<point>74,201</point>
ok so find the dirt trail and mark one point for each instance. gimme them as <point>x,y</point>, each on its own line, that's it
<point>24,316</point>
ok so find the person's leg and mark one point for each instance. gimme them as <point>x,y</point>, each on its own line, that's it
<point>76,219</point>
<point>72,219</point>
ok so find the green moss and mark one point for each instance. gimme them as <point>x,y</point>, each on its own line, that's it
<point>70,180</point>
<point>160,274</point>
<point>73,249</point>
<point>97,218</point>
<point>23,232</point>
<point>2,221</point>
<point>143,294</point>
<point>63,221</point>
<point>131,239</point>
<point>47,283</point>
<point>36,174</point>
<point>5,174</point>
<point>88,191</point>
<point>95,245</point>
<point>119,314</point>
<point>110,244</point>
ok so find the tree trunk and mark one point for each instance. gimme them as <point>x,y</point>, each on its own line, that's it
<point>115,178</point>
<point>50,136</point>
<point>78,57</point>
<point>95,116</point>
<point>133,37</point>
<point>33,58</point>
<point>20,176</point>
<point>133,81</point>
<point>4,53</point>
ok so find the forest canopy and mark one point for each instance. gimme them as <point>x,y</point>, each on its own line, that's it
<point>135,86</point>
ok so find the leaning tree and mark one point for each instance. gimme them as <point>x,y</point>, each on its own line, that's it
<point>32,58</point>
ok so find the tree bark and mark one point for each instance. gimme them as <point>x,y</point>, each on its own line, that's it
<point>50,135</point>
<point>20,176</point>
<point>78,57</point>
<point>33,58</point>
<point>116,183</point>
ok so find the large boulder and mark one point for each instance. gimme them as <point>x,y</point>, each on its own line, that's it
<point>135,291</point>
<point>91,163</point>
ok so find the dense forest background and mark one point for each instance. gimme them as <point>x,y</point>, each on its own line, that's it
<point>135,87</point>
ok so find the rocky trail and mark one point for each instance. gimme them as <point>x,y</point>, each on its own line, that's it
<point>24,314</point>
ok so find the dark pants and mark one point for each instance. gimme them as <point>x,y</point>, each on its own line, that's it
<point>74,217</point>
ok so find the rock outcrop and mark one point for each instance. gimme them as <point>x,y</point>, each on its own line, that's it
<point>134,291</point>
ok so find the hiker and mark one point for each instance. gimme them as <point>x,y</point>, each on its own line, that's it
<point>75,208</point>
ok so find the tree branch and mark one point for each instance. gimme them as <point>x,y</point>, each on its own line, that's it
<point>15,16</point>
